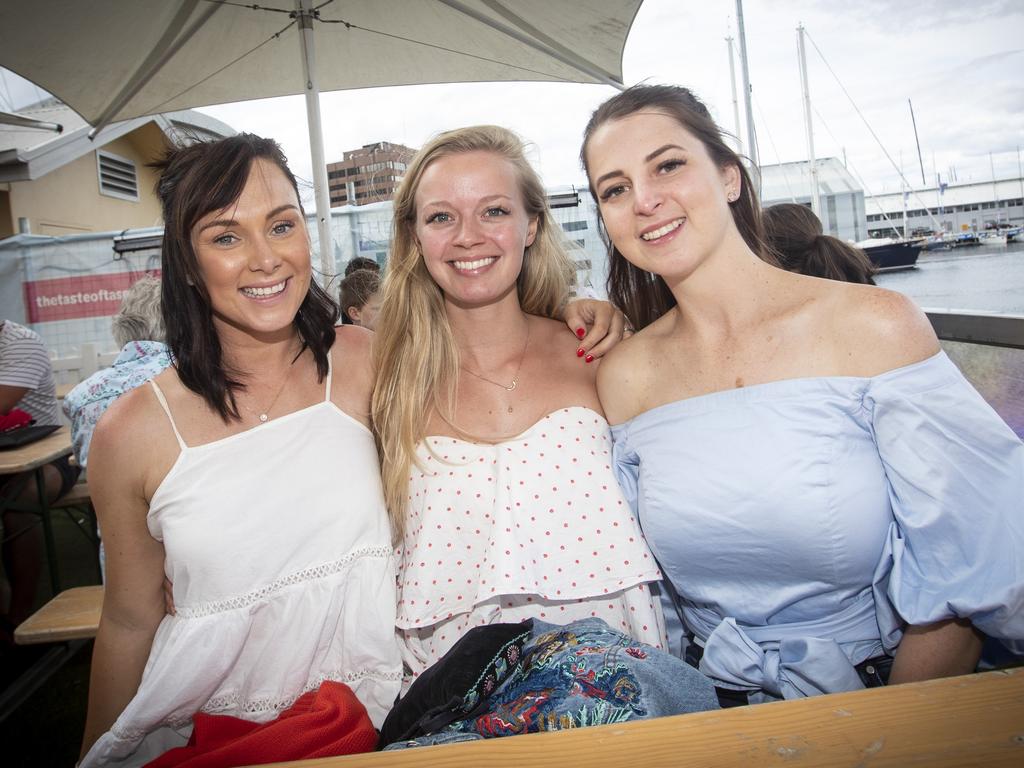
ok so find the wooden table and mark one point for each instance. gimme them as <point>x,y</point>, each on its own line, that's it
<point>975,720</point>
<point>32,458</point>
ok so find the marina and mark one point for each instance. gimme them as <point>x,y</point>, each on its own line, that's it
<point>974,279</point>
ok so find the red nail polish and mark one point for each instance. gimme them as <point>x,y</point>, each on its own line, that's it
<point>581,352</point>
<point>580,332</point>
<point>589,358</point>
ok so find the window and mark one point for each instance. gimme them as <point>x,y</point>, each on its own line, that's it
<point>574,226</point>
<point>117,176</point>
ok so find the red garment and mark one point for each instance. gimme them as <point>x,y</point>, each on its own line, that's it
<point>323,723</point>
<point>13,419</point>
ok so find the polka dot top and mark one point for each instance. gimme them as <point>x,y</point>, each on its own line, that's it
<point>532,527</point>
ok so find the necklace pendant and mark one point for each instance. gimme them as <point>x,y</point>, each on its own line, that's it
<point>263,417</point>
<point>512,386</point>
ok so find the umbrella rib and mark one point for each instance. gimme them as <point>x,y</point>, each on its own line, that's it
<point>254,6</point>
<point>156,108</point>
<point>169,44</point>
<point>534,38</point>
<point>393,36</point>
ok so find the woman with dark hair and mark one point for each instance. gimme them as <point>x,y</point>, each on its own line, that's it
<point>826,494</point>
<point>223,476</point>
<point>359,295</point>
<point>795,236</point>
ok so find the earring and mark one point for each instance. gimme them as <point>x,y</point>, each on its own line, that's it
<point>731,197</point>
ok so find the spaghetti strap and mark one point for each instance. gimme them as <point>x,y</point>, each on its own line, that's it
<point>163,404</point>
<point>330,371</point>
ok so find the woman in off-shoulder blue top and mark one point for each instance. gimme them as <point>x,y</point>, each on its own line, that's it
<point>821,486</point>
<point>803,522</point>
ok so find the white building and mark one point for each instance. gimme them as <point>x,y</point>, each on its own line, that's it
<point>841,197</point>
<point>954,208</point>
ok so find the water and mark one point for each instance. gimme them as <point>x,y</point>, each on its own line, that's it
<point>987,278</point>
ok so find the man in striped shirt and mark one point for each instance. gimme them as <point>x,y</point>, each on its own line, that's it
<point>26,383</point>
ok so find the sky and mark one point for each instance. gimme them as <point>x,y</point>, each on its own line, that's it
<point>959,63</point>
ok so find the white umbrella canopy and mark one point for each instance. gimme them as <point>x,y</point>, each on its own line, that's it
<point>112,60</point>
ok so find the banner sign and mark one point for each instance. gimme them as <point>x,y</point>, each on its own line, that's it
<point>72,298</point>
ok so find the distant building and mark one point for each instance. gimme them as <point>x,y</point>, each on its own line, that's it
<point>971,207</point>
<point>66,183</point>
<point>369,174</point>
<point>841,197</point>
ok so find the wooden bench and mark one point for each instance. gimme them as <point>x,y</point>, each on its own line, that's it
<point>959,721</point>
<point>67,622</point>
<point>74,614</point>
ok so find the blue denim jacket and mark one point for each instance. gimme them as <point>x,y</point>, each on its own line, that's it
<point>584,673</point>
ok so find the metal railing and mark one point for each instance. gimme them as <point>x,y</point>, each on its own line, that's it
<point>996,330</point>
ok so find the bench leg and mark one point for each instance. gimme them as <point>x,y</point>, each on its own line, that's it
<point>51,546</point>
<point>32,678</point>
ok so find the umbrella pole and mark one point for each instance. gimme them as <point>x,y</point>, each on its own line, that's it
<point>304,14</point>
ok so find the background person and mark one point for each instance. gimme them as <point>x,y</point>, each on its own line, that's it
<point>138,329</point>
<point>795,236</point>
<point>359,294</point>
<point>361,262</point>
<point>822,487</point>
<point>26,384</point>
<point>223,473</point>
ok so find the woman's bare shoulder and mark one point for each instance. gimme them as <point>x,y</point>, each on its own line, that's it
<point>879,329</point>
<point>134,438</point>
<point>625,374</point>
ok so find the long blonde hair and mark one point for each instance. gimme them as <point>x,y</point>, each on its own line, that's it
<point>416,355</point>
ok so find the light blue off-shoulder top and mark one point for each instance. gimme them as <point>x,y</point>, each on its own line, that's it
<point>804,522</point>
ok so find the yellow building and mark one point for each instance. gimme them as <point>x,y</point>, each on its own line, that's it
<point>66,183</point>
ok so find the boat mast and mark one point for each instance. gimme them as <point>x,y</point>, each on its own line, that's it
<point>735,98</point>
<point>751,137</point>
<point>808,122</point>
<point>913,122</point>
<point>995,193</point>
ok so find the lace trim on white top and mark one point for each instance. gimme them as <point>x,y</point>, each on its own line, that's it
<point>308,574</point>
<point>255,707</point>
<point>237,707</point>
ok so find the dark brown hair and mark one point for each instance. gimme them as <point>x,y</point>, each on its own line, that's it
<point>794,233</point>
<point>361,262</point>
<point>356,289</point>
<point>641,295</point>
<point>194,181</point>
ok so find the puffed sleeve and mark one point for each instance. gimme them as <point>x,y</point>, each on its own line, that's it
<point>956,483</point>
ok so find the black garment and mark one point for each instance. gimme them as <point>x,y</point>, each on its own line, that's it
<point>457,686</point>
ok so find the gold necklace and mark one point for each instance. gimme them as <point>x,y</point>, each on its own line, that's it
<point>265,415</point>
<point>515,379</point>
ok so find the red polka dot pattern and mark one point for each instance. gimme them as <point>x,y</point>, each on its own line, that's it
<point>534,527</point>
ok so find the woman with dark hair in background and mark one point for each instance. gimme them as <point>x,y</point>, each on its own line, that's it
<point>359,295</point>
<point>795,236</point>
<point>823,489</point>
<point>223,476</point>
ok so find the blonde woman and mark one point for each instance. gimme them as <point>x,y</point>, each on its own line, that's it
<point>495,452</point>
